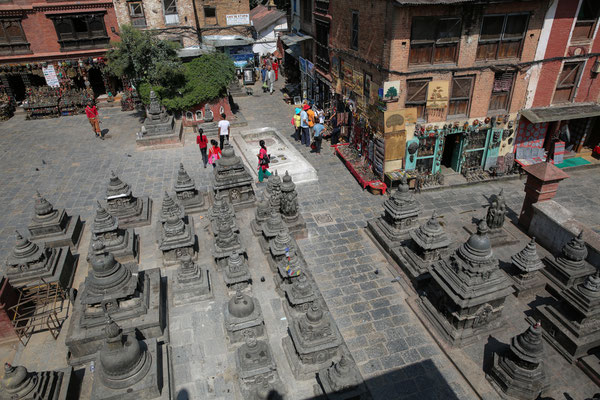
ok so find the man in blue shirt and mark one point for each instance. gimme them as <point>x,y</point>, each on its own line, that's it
<point>318,137</point>
<point>305,137</point>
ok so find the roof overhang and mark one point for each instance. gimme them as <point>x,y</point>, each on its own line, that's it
<point>560,113</point>
<point>294,38</point>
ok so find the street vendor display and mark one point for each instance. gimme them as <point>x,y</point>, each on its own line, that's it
<point>41,102</point>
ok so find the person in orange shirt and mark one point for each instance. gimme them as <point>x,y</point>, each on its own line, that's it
<point>311,121</point>
<point>91,113</point>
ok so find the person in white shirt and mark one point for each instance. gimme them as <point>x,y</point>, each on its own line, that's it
<point>271,78</point>
<point>223,130</point>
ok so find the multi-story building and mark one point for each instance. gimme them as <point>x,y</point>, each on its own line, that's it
<point>452,77</point>
<point>62,41</point>
<point>562,98</point>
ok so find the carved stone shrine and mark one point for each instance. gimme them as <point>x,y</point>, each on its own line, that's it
<point>170,207</point>
<point>428,244</point>
<point>236,273</point>
<point>232,178</point>
<point>401,211</point>
<point>157,121</point>
<point>128,368</point>
<point>526,265</point>
<point>520,372</point>
<point>261,215</point>
<point>243,317</point>
<point>571,324</point>
<point>121,243</point>
<point>187,194</point>
<point>280,247</point>
<point>496,212</point>
<point>223,216</point>
<point>313,342</point>
<point>569,267</point>
<point>131,297</point>
<point>465,297</point>
<point>254,360</point>
<point>177,240</point>
<point>300,292</point>
<point>20,384</point>
<point>54,227</point>
<point>226,243</point>
<point>270,229</point>
<point>190,284</point>
<point>289,208</point>
<point>132,211</point>
<point>30,264</point>
<point>342,380</point>
<point>220,206</point>
<point>290,267</point>
<point>273,191</point>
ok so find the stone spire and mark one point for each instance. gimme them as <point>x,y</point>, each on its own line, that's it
<point>25,253</point>
<point>236,271</point>
<point>282,244</point>
<point>273,225</point>
<point>431,235</point>
<point>43,208</point>
<point>107,277</point>
<point>18,383</point>
<point>570,266</point>
<point>116,187</point>
<point>527,260</point>
<point>177,239</point>
<point>261,215</point>
<point>131,211</point>
<point>520,372</point>
<point>232,178</point>
<point>289,199</point>
<point>342,377</point>
<point>170,207</point>
<point>184,182</point>
<point>103,221</point>
<point>187,194</point>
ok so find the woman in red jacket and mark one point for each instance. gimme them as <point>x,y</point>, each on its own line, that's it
<point>91,113</point>
<point>214,153</point>
<point>263,162</point>
<point>275,67</point>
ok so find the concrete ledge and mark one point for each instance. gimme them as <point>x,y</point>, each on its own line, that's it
<point>553,226</point>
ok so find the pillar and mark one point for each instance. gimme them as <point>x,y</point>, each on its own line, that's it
<point>541,185</point>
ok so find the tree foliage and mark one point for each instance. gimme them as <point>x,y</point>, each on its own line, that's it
<point>144,58</point>
<point>391,92</point>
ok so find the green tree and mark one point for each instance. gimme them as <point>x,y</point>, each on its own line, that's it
<point>391,92</point>
<point>144,58</point>
<point>206,78</point>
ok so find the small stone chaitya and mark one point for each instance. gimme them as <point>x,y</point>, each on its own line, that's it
<point>226,243</point>
<point>170,207</point>
<point>122,243</point>
<point>128,368</point>
<point>569,267</point>
<point>157,121</point>
<point>254,360</point>
<point>132,211</point>
<point>177,240</point>
<point>520,372</point>
<point>20,384</point>
<point>187,194</point>
<point>428,244</point>
<point>54,227</point>
<point>525,270</point>
<point>313,341</point>
<point>131,297</point>
<point>33,264</point>
<point>342,380</point>
<point>232,178</point>
<point>273,191</point>
<point>261,215</point>
<point>236,273</point>
<point>300,292</point>
<point>289,208</point>
<point>191,284</point>
<point>466,294</point>
<point>243,316</point>
<point>270,229</point>
<point>401,211</point>
<point>571,325</point>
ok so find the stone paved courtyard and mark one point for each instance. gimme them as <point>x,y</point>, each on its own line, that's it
<point>397,356</point>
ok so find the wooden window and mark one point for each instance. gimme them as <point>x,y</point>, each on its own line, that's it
<point>586,20</point>
<point>460,96</point>
<point>567,82</point>
<point>434,40</point>
<point>321,42</point>
<point>500,98</point>
<point>306,10</point>
<point>416,96</point>
<point>136,14</point>
<point>171,16</point>
<point>80,31</point>
<point>12,38</point>
<point>502,36</point>
<point>354,36</point>
<point>210,12</point>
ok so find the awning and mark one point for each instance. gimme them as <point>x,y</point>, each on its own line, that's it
<point>227,41</point>
<point>294,38</point>
<point>561,113</point>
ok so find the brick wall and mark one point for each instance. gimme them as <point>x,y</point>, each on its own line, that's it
<point>218,26</point>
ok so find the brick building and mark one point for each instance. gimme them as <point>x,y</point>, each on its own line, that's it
<point>455,73</point>
<point>70,36</point>
<point>564,89</point>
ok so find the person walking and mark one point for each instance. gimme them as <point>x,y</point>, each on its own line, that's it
<point>263,73</point>
<point>335,128</point>
<point>318,137</point>
<point>214,153</point>
<point>271,78</point>
<point>276,69</point>
<point>296,123</point>
<point>202,143</point>
<point>223,130</point>
<point>311,120</point>
<point>263,162</point>
<point>91,113</point>
<point>305,138</point>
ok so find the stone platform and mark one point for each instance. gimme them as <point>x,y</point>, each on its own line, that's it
<point>164,140</point>
<point>70,236</point>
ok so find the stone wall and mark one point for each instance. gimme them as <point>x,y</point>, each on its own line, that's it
<point>553,226</point>
<point>218,25</point>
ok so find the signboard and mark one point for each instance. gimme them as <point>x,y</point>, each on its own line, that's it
<point>437,94</point>
<point>357,79</point>
<point>302,65</point>
<point>50,75</point>
<point>237,19</point>
<point>310,69</point>
<point>394,121</point>
<point>347,71</point>
<point>391,90</point>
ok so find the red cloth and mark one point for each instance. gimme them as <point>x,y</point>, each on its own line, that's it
<point>201,141</point>
<point>91,112</point>
<point>597,150</point>
<point>262,154</point>
<point>215,150</point>
<point>276,69</point>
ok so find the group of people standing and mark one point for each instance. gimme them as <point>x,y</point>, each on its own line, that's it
<point>269,72</point>
<point>210,156</point>
<point>309,124</point>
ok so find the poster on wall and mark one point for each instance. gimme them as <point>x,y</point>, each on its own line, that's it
<point>358,82</point>
<point>347,70</point>
<point>395,145</point>
<point>391,90</point>
<point>310,69</point>
<point>394,121</point>
<point>410,115</point>
<point>335,67</point>
<point>237,19</point>
<point>437,94</point>
<point>302,65</point>
<point>50,75</point>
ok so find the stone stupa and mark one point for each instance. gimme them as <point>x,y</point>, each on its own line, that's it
<point>232,178</point>
<point>177,240</point>
<point>159,128</point>
<point>289,208</point>
<point>243,316</point>
<point>122,243</point>
<point>526,265</point>
<point>132,211</point>
<point>570,266</point>
<point>187,194</point>
<point>191,283</point>
<point>20,384</point>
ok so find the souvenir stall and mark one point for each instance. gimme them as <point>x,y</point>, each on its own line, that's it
<point>7,105</point>
<point>130,100</point>
<point>42,102</point>
<point>73,101</point>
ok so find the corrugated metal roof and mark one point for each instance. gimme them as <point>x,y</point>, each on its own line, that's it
<point>262,17</point>
<point>561,112</point>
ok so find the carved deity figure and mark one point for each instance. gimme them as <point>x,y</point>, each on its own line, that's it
<point>496,212</point>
